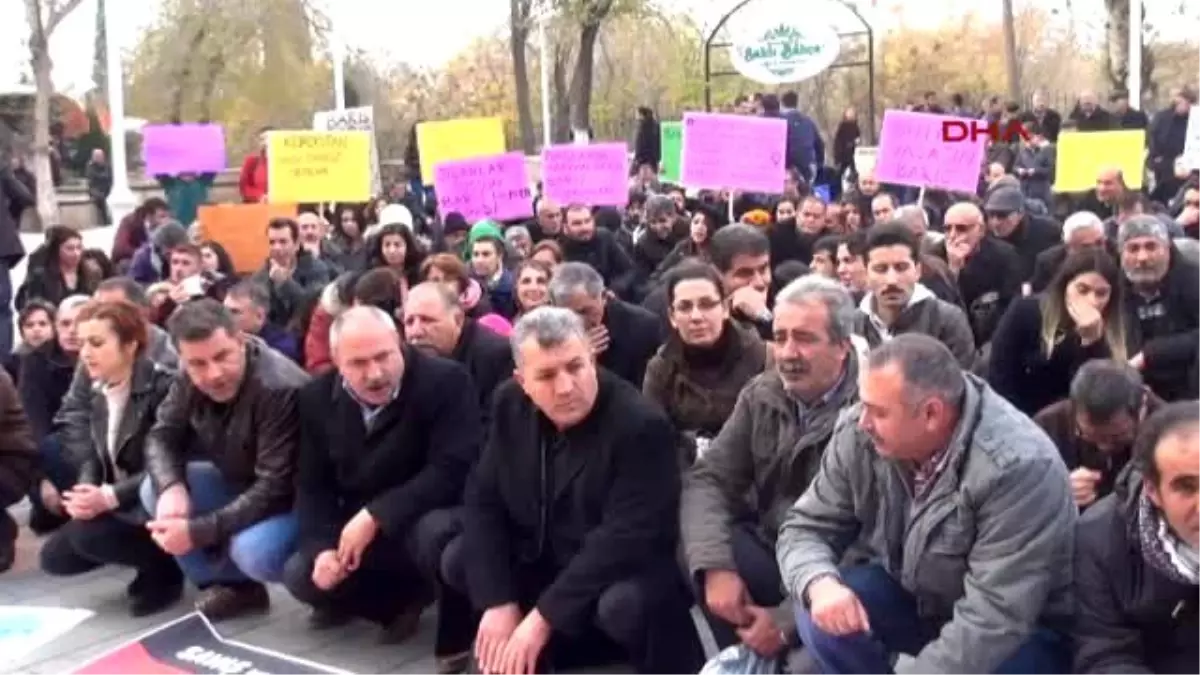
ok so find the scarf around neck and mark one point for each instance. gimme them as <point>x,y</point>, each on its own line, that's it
<point>1163,550</point>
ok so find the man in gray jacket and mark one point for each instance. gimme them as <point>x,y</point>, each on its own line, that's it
<point>963,502</point>
<point>770,447</point>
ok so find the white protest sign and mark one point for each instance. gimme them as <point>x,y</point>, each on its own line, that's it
<point>24,629</point>
<point>353,119</point>
<point>1191,149</point>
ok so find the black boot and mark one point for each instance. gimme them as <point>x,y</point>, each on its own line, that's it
<point>154,590</point>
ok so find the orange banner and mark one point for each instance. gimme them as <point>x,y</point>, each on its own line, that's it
<point>242,230</point>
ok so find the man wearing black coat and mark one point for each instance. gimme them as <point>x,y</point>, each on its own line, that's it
<point>625,337</point>
<point>571,518</point>
<point>18,465</point>
<point>1135,558</point>
<point>386,442</point>
<point>583,242</point>
<point>435,323</point>
<point>15,197</point>
<point>989,271</point>
<point>1029,234</point>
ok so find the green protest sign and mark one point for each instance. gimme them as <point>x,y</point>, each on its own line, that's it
<point>672,143</point>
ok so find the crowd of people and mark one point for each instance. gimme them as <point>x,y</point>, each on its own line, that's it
<point>962,428</point>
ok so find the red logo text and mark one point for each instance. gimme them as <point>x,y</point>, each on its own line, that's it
<point>955,131</point>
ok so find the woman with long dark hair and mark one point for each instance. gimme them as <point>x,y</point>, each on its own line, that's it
<point>1043,339</point>
<point>57,270</point>
<point>348,237</point>
<point>394,246</point>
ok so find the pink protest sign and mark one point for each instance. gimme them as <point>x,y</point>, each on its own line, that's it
<point>913,151</point>
<point>172,149</point>
<point>733,151</point>
<point>596,175</point>
<point>484,187</point>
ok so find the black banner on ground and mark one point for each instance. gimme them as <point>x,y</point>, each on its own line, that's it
<point>191,646</point>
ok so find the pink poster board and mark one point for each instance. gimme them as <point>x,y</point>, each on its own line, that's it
<point>484,187</point>
<point>912,152</point>
<point>733,151</point>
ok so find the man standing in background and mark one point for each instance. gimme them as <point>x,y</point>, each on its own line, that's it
<point>99,184</point>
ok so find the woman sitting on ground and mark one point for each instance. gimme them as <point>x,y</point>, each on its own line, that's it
<point>107,525</point>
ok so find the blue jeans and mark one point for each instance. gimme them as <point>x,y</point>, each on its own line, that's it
<point>897,628</point>
<point>257,553</point>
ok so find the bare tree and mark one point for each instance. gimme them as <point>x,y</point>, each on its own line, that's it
<point>44,16</point>
<point>591,16</point>
<point>1010,53</point>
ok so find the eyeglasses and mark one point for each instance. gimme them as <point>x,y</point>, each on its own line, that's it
<point>960,227</point>
<point>705,305</point>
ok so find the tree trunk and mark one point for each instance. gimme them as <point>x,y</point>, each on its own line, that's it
<point>1010,53</point>
<point>1116,53</point>
<point>518,39</point>
<point>39,51</point>
<point>581,80</point>
<point>562,101</point>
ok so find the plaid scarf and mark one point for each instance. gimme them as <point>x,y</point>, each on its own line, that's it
<point>1163,550</point>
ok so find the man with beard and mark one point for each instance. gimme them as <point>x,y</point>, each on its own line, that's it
<point>1162,292</point>
<point>434,322</point>
<point>570,522</point>
<point>1136,558</point>
<point>386,441</point>
<point>988,271</point>
<point>582,242</point>
<point>220,461</point>
<point>658,241</point>
<point>1095,426</point>
<point>959,503</point>
<point>896,301</point>
<point>771,447</point>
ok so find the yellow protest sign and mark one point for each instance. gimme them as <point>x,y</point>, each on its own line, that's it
<point>318,166</point>
<point>1081,155</point>
<point>458,139</point>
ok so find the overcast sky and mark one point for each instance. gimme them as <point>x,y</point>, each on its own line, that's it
<point>388,30</point>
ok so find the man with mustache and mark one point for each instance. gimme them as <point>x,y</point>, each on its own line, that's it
<point>770,447</point>
<point>1162,292</point>
<point>961,506</point>
<point>896,302</point>
<point>220,460</point>
<point>386,441</point>
<point>988,270</point>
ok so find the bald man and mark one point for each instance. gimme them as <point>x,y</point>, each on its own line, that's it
<point>988,271</point>
<point>386,442</point>
<point>1089,116</point>
<point>548,222</point>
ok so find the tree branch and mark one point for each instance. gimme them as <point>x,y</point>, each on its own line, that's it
<point>56,12</point>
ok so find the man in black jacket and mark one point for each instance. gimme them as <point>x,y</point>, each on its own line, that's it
<point>386,441</point>
<point>988,270</point>
<point>435,323</point>
<point>623,336</point>
<point>291,274</point>
<point>220,460</point>
<point>1136,558</point>
<point>583,242</point>
<point>15,197</point>
<point>1029,234</point>
<point>571,518</point>
<point>18,465</point>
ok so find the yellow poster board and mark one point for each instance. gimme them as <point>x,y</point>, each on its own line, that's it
<point>458,139</point>
<point>318,166</point>
<point>1081,155</point>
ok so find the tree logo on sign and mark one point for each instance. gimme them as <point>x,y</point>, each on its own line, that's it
<point>786,53</point>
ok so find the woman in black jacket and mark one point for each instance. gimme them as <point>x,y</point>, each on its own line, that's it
<point>107,525</point>
<point>44,377</point>
<point>1042,340</point>
<point>56,270</point>
<point>647,144</point>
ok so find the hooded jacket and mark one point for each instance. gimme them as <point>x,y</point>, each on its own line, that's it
<point>925,313</point>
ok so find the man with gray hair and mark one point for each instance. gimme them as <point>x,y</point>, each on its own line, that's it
<point>1162,293</point>
<point>770,448</point>
<point>249,302</point>
<point>962,504</point>
<point>571,518</point>
<point>623,336</point>
<point>386,442</point>
<point>1081,230</point>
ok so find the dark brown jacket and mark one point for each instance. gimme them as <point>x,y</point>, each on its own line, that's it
<point>1058,421</point>
<point>252,440</point>
<point>698,391</point>
<point>89,444</point>
<point>18,455</point>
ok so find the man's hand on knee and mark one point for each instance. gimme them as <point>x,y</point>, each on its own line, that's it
<point>835,608</point>
<point>173,503</point>
<point>327,571</point>
<point>725,595</point>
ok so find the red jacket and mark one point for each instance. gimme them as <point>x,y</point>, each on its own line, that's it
<point>317,356</point>
<point>252,184</point>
